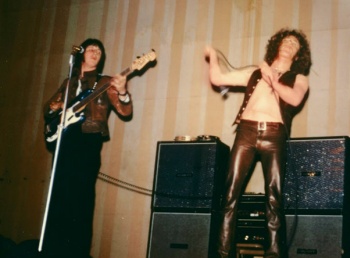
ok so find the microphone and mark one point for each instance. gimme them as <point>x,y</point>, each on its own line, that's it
<point>223,91</point>
<point>78,49</point>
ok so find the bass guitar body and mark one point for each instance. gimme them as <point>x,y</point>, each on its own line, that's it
<point>72,116</point>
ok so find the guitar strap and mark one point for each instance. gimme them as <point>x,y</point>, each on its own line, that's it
<point>98,77</point>
<point>79,90</point>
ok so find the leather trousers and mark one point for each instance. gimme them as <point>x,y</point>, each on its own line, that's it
<point>265,143</point>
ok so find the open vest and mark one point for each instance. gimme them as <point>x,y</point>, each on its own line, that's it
<point>287,111</point>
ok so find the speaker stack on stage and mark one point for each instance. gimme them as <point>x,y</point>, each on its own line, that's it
<point>317,197</point>
<point>187,190</point>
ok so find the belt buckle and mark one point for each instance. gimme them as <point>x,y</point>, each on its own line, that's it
<point>261,126</point>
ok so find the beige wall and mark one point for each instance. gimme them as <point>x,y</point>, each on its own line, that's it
<point>172,98</point>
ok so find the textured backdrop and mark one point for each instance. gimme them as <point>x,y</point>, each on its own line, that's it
<point>172,98</point>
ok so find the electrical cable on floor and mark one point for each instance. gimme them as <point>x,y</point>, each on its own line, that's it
<point>114,181</point>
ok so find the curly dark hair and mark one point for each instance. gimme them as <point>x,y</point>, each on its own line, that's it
<point>79,57</point>
<point>302,61</point>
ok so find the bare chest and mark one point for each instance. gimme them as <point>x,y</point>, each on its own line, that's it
<point>263,104</point>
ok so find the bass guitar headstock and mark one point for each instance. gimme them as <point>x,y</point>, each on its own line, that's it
<point>142,61</point>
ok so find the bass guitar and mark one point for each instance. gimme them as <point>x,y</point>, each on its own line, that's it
<point>74,111</point>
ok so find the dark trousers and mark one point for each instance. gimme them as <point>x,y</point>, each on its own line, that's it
<point>252,144</point>
<point>70,219</point>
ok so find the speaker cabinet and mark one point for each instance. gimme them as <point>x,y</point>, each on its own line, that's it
<point>315,236</point>
<point>181,235</point>
<point>189,175</point>
<point>187,191</point>
<point>317,174</point>
<point>316,197</point>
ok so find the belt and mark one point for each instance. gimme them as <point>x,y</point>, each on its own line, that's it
<point>261,125</point>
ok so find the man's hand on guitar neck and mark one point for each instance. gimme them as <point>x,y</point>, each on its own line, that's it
<point>119,82</point>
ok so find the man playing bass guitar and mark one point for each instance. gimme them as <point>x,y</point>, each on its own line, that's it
<point>70,217</point>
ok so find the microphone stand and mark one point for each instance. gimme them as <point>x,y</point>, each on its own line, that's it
<point>60,128</point>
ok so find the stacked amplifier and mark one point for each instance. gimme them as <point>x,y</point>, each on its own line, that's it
<point>187,192</point>
<point>317,197</point>
<point>251,223</point>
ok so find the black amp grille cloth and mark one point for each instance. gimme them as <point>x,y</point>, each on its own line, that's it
<point>315,174</point>
<point>186,175</point>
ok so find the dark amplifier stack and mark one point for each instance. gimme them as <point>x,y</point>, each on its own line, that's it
<point>317,197</point>
<point>187,192</point>
<point>188,183</point>
<point>251,224</point>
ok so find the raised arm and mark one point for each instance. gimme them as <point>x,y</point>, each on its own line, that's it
<point>227,76</point>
